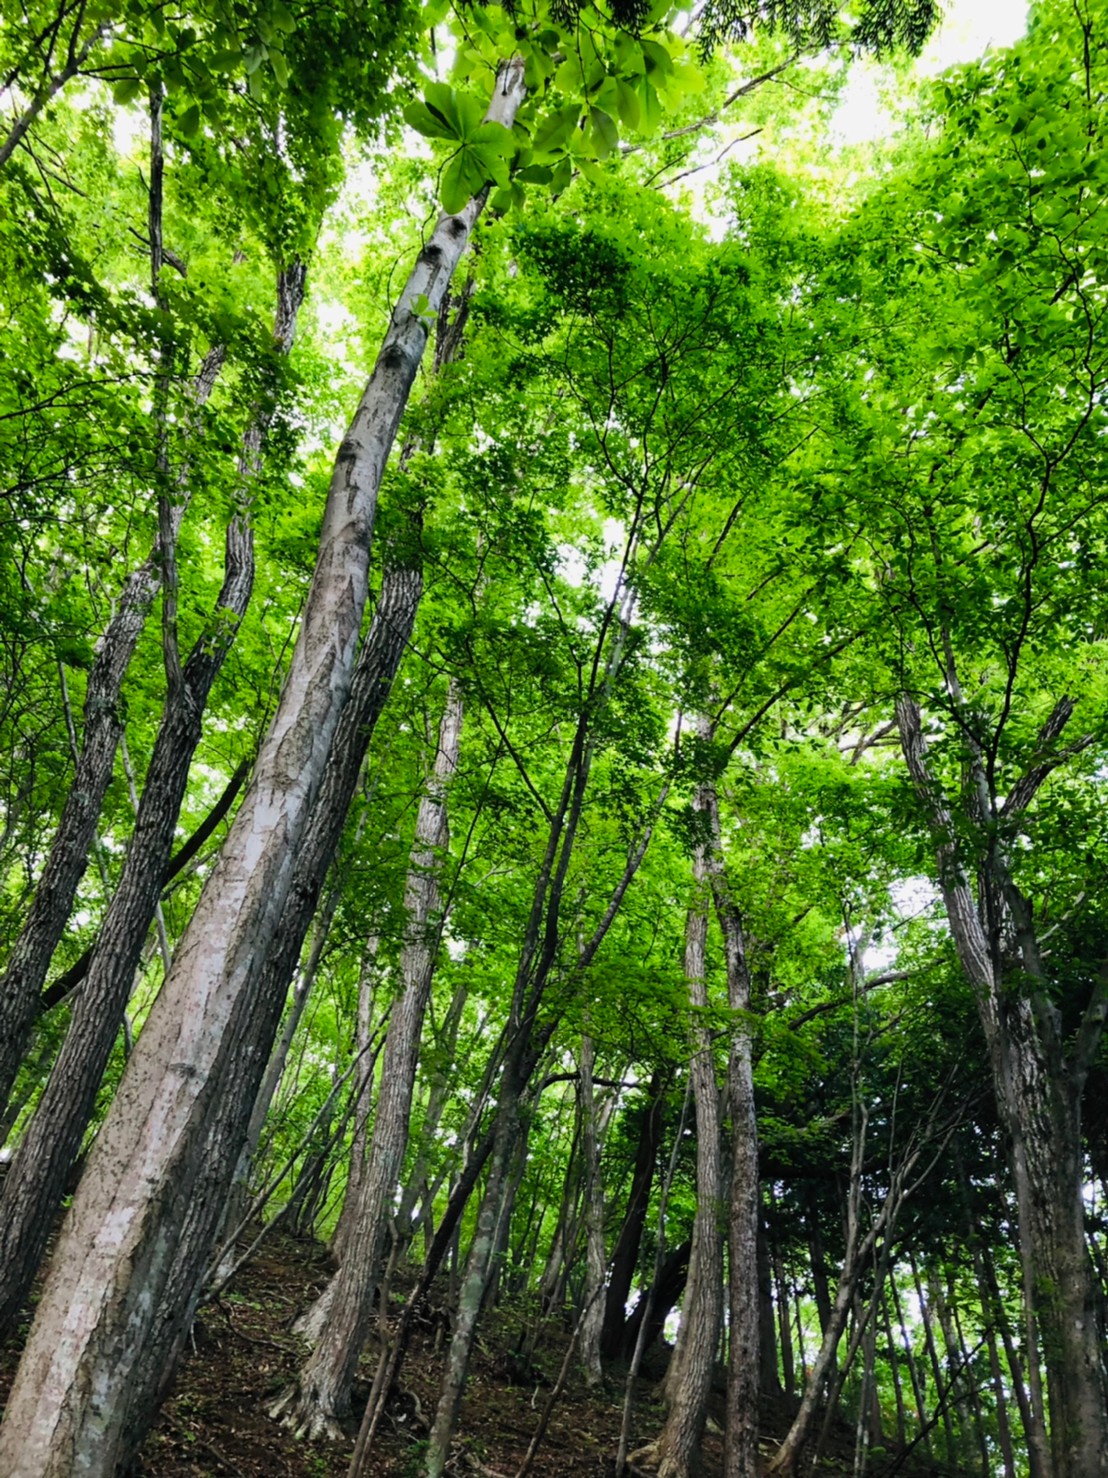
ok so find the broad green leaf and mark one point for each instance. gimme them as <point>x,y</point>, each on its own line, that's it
<point>280,66</point>
<point>496,137</point>
<point>604,133</point>
<point>463,176</point>
<point>555,131</point>
<point>126,90</point>
<point>427,121</point>
<point>628,106</point>
<point>651,107</point>
<point>657,57</point>
<point>563,173</point>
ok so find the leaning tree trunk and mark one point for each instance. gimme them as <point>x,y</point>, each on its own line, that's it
<point>39,1174</point>
<point>320,1400</point>
<point>123,1287</point>
<point>689,1379</point>
<point>26,968</point>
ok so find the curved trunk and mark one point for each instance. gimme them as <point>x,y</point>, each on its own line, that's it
<point>125,1279</point>
<point>478,1270</point>
<point>740,1454</point>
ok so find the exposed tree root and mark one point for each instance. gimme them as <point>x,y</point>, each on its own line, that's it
<point>308,1415</point>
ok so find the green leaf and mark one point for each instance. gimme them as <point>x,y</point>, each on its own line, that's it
<point>464,175</point>
<point>492,162</point>
<point>538,66</point>
<point>651,107</point>
<point>461,111</point>
<point>555,131</point>
<point>427,121</point>
<point>126,90</point>
<point>188,122</point>
<point>563,173</point>
<point>280,67</point>
<point>496,137</point>
<point>657,58</point>
<point>604,133</point>
<point>627,104</point>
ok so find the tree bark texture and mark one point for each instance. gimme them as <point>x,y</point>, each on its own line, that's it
<point>689,1379</point>
<point>39,1173</point>
<point>595,1261</point>
<point>65,865</point>
<point>1039,1082</point>
<point>125,1279</point>
<point>321,1398</point>
<point>625,1255</point>
<point>740,1453</point>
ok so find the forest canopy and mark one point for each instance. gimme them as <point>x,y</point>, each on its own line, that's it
<point>554,719</point>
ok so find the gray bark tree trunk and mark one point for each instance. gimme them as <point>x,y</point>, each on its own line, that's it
<point>39,1173</point>
<point>740,1452</point>
<point>320,1400</point>
<point>595,1262</point>
<point>689,1379</point>
<point>29,960</point>
<point>125,1278</point>
<point>363,1093</point>
<point>1039,1081</point>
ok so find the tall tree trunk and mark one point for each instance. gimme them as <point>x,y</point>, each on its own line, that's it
<point>320,1400</point>
<point>238,1200</point>
<point>767,1322</point>
<point>445,1053</point>
<point>38,1176</point>
<point>126,1276</point>
<point>932,1349</point>
<point>625,1255</point>
<point>689,1379</point>
<point>29,960</point>
<point>363,1091</point>
<point>595,1261</point>
<point>740,1453</point>
<point>477,1272</point>
<point>1039,1081</point>
<point>913,1368</point>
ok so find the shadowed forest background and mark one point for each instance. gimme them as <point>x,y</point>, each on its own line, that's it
<point>552,899</point>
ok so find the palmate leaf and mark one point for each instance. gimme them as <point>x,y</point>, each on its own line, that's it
<point>465,174</point>
<point>427,122</point>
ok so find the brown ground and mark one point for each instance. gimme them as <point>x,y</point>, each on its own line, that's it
<point>215,1424</point>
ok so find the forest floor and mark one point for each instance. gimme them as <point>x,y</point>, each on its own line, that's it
<point>243,1353</point>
